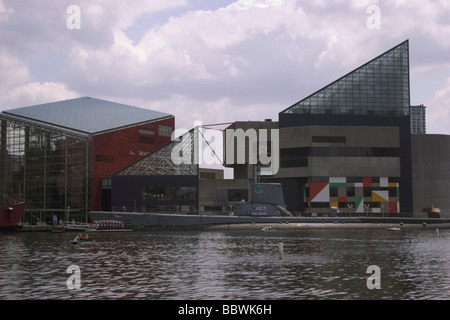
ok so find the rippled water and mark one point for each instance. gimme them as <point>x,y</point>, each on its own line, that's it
<point>322,264</point>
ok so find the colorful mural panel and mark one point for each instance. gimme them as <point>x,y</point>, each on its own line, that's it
<point>362,195</point>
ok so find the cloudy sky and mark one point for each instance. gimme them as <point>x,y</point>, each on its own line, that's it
<point>215,60</point>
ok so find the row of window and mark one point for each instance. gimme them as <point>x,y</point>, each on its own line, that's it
<point>298,157</point>
<point>207,175</point>
<point>165,131</point>
<point>348,109</point>
<point>41,164</point>
<point>144,138</point>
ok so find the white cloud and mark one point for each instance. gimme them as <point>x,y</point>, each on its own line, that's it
<point>249,59</point>
<point>4,12</point>
<point>241,55</point>
<point>438,110</point>
<point>12,70</point>
<point>34,93</point>
<point>17,88</point>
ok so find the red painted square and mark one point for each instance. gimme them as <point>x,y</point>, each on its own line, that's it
<point>393,207</point>
<point>367,182</point>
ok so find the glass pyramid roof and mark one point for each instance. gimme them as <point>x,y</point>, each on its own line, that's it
<point>379,87</point>
<point>179,157</point>
<point>87,115</point>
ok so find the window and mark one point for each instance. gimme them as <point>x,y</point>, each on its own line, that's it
<point>149,132</point>
<point>106,183</point>
<point>294,157</point>
<point>207,175</point>
<point>164,131</point>
<point>326,139</point>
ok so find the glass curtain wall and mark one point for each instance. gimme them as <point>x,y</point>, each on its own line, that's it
<point>380,87</point>
<point>47,169</point>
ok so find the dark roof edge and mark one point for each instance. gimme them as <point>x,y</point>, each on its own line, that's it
<point>44,124</point>
<point>133,125</point>
<point>50,125</point>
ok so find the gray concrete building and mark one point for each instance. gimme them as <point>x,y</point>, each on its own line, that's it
<point>431,172</point>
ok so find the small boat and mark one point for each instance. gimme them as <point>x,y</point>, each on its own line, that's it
<point>393,229</point>
<point>268,228</point>
<point>81,239</point>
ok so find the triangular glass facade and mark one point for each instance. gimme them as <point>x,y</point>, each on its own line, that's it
<point>176,158</point>
<point>379,87</point>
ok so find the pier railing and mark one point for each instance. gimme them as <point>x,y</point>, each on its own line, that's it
<point>73,225</point>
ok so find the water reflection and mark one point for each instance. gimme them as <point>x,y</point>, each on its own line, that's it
<point>322,264</point>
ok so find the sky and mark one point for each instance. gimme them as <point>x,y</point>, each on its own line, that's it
<point>215,61</point>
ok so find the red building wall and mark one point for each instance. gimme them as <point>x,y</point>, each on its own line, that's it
<point>113,151</point>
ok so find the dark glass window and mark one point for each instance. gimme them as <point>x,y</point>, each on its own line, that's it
<point>294,157</point>
<point>350,191</point>
<point>333,191</point>
<point>328,139</point>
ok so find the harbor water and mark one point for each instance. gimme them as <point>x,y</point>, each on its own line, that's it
<point>228,265</point>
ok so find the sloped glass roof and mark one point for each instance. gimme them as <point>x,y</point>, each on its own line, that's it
<point>178,157</point>
<point>88,115</point>
<point>379,87</point>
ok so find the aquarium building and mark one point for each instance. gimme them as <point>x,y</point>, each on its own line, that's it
<point>59,157</point>
<point>348,145</point>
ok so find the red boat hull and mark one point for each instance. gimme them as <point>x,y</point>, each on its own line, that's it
<point>11,216</point>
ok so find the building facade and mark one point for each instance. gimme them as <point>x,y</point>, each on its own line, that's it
<point>170,180</point>
<point>348,145</point>
<point>165,180</point>
<point>418,119</point>
<point>431,172</point>
<point>56,156</point>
